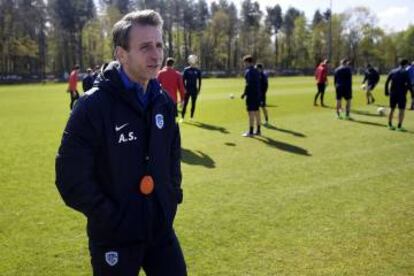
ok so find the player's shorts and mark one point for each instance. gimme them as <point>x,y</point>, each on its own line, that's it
<point>371,86</point>
<point>343,93</point>
<point>398,100</point>
<point>252,105</point>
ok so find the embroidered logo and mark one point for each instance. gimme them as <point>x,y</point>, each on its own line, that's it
<point>118,128</point>
<point>159,121</point>
<point>111,258</point>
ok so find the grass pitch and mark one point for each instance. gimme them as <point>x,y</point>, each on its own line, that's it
<point>312,196</point>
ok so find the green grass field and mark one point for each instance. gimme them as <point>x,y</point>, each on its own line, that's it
<point>313,196</point>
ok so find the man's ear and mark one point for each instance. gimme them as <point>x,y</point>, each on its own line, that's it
<point>120,54</point>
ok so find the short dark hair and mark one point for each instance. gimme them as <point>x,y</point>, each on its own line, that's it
<point>344,61</point>
<point>76,67</point>
<point>122,28</point>
<point>170,61</point>
<point>259,65</point>
<point>404,62</point>
<point>248,58</point>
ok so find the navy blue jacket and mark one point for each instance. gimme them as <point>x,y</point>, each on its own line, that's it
<point>109,144</point>
<point>87,82</point>
<point>343,78</point>
<point>252,90</point>
<point>400,82</point>
<point>192,79</point>
<point>371,76</point>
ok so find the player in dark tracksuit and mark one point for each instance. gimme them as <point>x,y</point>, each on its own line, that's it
<point>252,94</point>
<point>343,86</point>
<point>400,83</point>
<point>87,82</point>
<point>410,70</point>
<point>371,77</point>
<point>192,84</point>
<point>119,159</point>
<point>264,85</point>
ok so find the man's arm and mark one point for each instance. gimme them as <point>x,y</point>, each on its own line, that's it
<point>199,81</point>
<point>75,163</point>
<point>365,77</point>
<point>181,88</point>
<point>387,92</point>
<point>176,164</point>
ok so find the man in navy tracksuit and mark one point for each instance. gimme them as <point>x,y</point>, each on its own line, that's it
<point>264,85</point>
<point>371,77</point>
<point>400,83</point>
<point>252,93</point>
<point>192,84</point>
<point>343,86</point>
<point>119,161</point>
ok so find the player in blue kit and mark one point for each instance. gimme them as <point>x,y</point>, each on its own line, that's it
<point>343,86</point>
<point>192,84</point>
<point>397,91</point>
<point>252,94</point>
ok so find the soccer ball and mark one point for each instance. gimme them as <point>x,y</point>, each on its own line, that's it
<point>192,59</point>
<point>364,86</point>
<point>231,96</point>
<point>381,111</point>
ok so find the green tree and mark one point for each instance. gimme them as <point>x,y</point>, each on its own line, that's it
<point>274,21</point>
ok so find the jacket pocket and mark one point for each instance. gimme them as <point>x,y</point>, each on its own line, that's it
<point>131,226</point>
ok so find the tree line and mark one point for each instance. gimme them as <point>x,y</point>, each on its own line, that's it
<point>41,37</point>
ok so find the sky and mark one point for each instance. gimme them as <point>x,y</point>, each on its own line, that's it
<point>392,15</point>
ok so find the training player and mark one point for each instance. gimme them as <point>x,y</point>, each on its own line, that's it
<point>410,70</point>
<point>264,85</point>
<point>87,81</point>
<point>400,83</point>
<point>73,85</point>
<point>192,84</point>
<point>171,80</point>
<point>371,78</point>
<point>343,85</point>
<point>252,94</point>
<point>321,76</point>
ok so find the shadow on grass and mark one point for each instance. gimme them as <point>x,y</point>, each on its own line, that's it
<point>365,113</point>
<point>208,127</point>
<point>283,146</point>
<point>197,158</point>
<point>271,105</point>
<point>272,127</point>
<point>377,125</point>
<point>230,144</point>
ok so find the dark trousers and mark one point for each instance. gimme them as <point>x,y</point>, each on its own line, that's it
<point>193,97</point>
<point>74,95</point>
<point>321,92</point>
<point>163,257</point>
<point>158,255</point>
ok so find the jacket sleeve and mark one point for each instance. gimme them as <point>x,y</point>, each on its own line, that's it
<point>387,84</point>
<point>75,164</point>
<point>175,168</point>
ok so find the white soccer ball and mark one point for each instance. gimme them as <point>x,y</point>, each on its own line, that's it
<point>381,111</point>
<point>192,59</point>
<point>231,96</point>
<point>364,86</point>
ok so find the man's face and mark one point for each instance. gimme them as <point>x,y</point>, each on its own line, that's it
<point>144,57</point>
